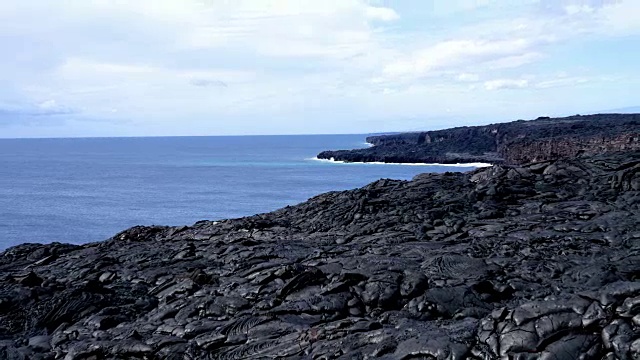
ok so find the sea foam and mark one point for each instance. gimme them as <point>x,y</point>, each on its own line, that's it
<point>332,161</point>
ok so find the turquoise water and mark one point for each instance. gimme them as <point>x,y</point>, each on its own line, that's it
<point>83,190</point>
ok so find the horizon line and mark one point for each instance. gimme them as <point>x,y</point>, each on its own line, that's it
<point>606,112</point>
<point>185,136</point>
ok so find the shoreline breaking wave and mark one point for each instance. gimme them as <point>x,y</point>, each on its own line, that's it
<point>476,165</point>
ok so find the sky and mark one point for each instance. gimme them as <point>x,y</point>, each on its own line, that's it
<point>75,68</point>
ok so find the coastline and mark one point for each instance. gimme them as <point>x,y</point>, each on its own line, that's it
<point>473,250</point>
<point>465,165</point>
<point>516,142</point>
<point>247,171</point>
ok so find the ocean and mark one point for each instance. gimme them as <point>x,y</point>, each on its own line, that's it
<point>88,189</point>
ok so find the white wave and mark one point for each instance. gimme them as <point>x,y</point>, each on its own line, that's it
<point>477,165</point>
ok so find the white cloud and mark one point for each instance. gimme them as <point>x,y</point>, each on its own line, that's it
<point>158,60</point>
<point>90,74</point>
<point>48,104</point>
<point>332,29</point>
<point>501,46</point>
<point>458,54</point>
<point>500,84</point>
<point>574,9</point>
<point>561,81</point>
<point>381,13</point>
<point>541,82</point>
<point>620,17</point>
<point>467,77</point>
<point>515,61</point>
<point>85,67</point>
<point>247,49</point>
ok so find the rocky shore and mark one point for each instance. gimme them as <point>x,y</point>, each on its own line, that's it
<point>517,142</point>
<point>539,261</point>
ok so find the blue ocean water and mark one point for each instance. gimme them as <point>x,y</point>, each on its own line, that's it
<point>83,190</point>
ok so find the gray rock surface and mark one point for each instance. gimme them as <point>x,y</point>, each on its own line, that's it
<point>540,261</point>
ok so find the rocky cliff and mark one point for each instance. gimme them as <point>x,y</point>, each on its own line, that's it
<point>540,261</point>
<point>517,142</point>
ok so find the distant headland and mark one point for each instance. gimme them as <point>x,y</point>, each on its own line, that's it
<point>517,142</point>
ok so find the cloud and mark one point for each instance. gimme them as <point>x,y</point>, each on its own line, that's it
<point>381,13</point>
<point>159,47</point>
<point>460,54</point>
<point>501,48</point>
<point>541,83</point>
<point>575,9</point>
<point>515,61</point>
<point>48,105</point>
<point>330,29</point>
<point>561,82</point>
<point>208,83</point>
<point>151,62</point>
<point>619,17</point>
<point>601,17</point>
<point>37,111</point>
<point>467,77</point>
<point>501,84</point>
<point>47,112</point>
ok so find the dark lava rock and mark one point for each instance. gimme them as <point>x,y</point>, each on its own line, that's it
<point>516,142</point>
<point>540,261</point>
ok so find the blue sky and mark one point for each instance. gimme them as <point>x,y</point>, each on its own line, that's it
<point>218,67</point>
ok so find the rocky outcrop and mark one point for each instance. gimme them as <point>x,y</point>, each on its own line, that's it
<point>540,261</point>
<point>526,151</point>
<point>517,142</point>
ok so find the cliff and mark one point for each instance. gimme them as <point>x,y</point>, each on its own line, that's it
<point>540,261</point>
<point>517,142</point>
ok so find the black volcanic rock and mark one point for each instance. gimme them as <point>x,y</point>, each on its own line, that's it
<point>540,261</point>
<point>517,142</point>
